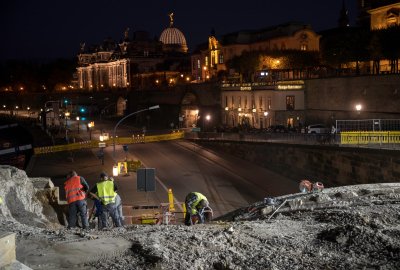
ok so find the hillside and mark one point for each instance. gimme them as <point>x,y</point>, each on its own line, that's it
<point>351,227</point>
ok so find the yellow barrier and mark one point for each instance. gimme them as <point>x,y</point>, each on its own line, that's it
<point>119,140</point>
<point>369,137</point>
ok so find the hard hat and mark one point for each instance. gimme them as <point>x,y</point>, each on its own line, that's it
<point>318,186</point>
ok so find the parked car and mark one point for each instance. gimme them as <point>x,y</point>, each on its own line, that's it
<point>318,129</point>
<point>278,129</point>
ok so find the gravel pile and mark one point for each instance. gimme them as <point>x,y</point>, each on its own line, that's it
<point>354,227</point>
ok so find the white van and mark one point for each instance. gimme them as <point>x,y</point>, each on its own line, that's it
<point>318,129</point>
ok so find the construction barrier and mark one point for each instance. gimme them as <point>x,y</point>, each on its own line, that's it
<point>118,140</point>
<point>370,137</point>
<point>133,165</point>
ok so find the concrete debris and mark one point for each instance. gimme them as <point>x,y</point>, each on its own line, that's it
<point>353,227</point>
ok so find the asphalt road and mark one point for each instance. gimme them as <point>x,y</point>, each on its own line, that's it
<point>228,182</point>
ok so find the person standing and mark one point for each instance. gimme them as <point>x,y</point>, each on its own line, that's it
<point>195,203</point>
<point>76,188</point>
<point>105,191</point>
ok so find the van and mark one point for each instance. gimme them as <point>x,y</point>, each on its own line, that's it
<point>318,129</point>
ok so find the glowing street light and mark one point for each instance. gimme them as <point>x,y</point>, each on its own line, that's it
<point>77,120</point>
<point>358,107</point>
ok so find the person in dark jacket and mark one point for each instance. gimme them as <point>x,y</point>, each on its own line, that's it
<point>76,188</point>
<point>105,191</point>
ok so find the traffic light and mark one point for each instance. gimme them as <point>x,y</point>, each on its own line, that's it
<point>82,109</point>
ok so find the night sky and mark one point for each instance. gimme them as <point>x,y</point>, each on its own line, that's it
<point>47,29</point>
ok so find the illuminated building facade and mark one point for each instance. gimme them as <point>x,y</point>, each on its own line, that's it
<point>208,60</point>
<point>257,105</point>
<point>133,62</point>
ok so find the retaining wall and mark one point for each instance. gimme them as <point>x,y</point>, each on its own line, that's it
<point>334,166</point>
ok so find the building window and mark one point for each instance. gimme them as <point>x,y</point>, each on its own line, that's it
<point>245,102</point>
<point>269,103</point>
<point>146,53</point>
<point>206,61</point>
<point>233,102</point>
<point>260,102</point>
<point>240,102</point>
<point>303,47</point>
<point>289,103</point>
<point>221,58</point>
<point>226,101</point>
<point>198,64</point>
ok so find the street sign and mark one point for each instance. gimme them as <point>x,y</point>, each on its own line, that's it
<point>102,144</point>
<point>146,179</point>
<point>196,129</point>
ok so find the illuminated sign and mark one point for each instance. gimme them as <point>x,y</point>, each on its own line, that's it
<point>289,87</point>
<point>245,88</point>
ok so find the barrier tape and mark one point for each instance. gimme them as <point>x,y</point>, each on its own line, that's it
<point>118,140</point>
<point>370,137</point>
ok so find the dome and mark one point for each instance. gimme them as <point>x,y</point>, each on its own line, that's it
<point>172,35</point>
<point>173,38</point>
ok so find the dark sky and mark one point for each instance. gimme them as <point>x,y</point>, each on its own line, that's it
<point>55,28</point>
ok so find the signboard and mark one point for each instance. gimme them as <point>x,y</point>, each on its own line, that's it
<point>102,144</point>
<point>196,129</point>
<point>146,179</point>
<point>122,168</point>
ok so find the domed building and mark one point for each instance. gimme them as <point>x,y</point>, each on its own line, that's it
<point>173,39</point>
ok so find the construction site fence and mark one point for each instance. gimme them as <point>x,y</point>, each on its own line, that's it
<point>139,138</point>
<point>366,137</point>
<point>368,125</point>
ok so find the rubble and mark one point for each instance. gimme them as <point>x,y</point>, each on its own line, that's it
<point>352,227</point>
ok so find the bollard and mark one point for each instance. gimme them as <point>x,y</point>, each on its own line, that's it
<point>171,201</point>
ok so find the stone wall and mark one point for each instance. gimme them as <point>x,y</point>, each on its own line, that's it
<point>330,99</point>
<point>334,166</point>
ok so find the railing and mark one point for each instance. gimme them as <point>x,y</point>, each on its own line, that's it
<point>382,139</point>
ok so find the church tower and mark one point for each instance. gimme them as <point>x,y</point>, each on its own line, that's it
<point>344,17</point>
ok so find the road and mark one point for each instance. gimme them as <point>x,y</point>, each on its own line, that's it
<point>229,183</point>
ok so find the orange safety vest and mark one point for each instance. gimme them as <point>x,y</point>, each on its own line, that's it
<point>73,189</point>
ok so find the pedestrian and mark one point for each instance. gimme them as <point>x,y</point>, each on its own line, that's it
<point>333,134</point>
<point>76,188</point>
<point>105,191</point>
<point>195,204</point>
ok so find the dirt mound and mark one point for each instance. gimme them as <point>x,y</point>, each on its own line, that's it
<point>354,227</point>
<point>19,199</point>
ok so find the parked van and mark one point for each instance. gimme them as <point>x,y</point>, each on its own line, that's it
<point>318,129</point>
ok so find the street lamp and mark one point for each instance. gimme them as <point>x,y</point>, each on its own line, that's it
<point>358,108</point>
<point>208,118</point>
<point>67,114</point>
<point>90,125</point>
<point>119,122</point>
<point>77,120</point>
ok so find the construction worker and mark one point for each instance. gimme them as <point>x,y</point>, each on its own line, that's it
<point>195,203</point>
<point>76,188</point>
<point>105,191</point>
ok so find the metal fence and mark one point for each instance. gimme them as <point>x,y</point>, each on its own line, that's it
<point>368,125</point>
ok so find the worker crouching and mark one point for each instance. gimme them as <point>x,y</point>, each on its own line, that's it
<point>197,209</point>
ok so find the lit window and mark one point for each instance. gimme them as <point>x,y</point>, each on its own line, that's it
<point>198,64</point>
<point>221,59</point>
<point>303,47</point>
<point>289,103</point>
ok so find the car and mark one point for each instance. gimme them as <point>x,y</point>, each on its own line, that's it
<point>318,129</point>
<point>278,129</point>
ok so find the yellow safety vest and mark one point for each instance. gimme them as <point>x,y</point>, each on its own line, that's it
<point>105,191</point>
